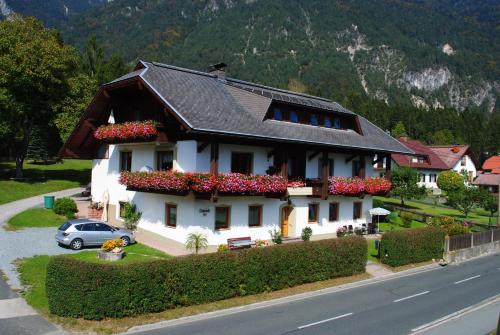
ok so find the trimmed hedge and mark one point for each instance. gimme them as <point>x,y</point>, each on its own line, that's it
<point>407,246</point>
<point>94,291</point>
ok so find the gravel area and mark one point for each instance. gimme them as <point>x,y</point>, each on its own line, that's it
<point>27,242</point>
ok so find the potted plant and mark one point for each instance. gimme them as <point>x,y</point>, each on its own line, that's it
<point>131,215</point>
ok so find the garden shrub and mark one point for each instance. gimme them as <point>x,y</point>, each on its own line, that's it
<point>108,290</point>
<point>406,219</point>
<point>407,246</point>
<point>65,206</point>
<point>306,234</point>
<point>456,229</point>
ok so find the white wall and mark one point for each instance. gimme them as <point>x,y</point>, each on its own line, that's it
<point>469,166</point>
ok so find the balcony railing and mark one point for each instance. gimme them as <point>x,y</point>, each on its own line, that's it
<point>206,184</point>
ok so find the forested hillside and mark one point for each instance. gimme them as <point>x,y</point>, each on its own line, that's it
<point>431,64</point>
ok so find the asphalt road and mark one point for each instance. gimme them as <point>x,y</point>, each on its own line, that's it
<point>394,306</point>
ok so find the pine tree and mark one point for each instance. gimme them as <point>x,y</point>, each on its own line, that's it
<point>38,146</point>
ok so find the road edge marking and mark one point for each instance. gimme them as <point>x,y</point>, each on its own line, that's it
<point>456,314</point>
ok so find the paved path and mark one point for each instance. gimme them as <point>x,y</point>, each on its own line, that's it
<point>27,242</point>
<point>12,208</point>
<point>387,305</point>
<point>377,270</point>
<point>18,318</point>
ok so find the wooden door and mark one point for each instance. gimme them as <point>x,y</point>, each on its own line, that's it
<point>285,214</point>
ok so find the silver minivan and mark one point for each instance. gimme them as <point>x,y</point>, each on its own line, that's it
<point>79,233</point>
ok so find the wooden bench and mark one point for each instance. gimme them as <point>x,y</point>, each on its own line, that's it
<point>239,243</point>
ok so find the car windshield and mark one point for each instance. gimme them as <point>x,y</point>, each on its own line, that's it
<point>65,226</point>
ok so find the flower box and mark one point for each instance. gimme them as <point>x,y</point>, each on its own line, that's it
<point>127,132</point>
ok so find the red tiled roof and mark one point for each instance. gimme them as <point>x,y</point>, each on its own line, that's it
<point>432,161</point>
<point>487,179</point>
<point>450,154</point>
<point>492,163</point>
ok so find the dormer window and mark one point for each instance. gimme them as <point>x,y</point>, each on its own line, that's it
<point>337,123</point>
<point>278,114</point>
<point>313,120</point>
<point>294,117</point>
<point>327,122</point>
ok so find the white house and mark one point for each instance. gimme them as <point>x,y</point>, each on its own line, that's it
<point>207,123</point>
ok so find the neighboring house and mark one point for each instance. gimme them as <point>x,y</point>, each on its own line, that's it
<point>489,178</point>
<point>209,123</point>
<point>492,165</point>
<point>425,160</point>
<point>458,158</point>
<point>431,160</point>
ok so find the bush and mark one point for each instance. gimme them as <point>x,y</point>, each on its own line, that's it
<point>65,206</point>
<point>276,236</point>
<point>406,219</point>
<point>456,229</point>
<point>306,234</point>
<point>222,248</point>
<point>131,216</point>
<point>407,246</point>
<point>107,290</point>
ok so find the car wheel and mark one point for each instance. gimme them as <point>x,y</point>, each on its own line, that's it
<point>125,240</point>
<point>76,244</point>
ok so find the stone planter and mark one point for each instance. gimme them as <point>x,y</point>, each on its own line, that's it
<point>110,256</point>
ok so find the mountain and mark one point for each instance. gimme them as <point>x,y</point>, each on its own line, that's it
<point>53,13</point>
<point>431,54</point>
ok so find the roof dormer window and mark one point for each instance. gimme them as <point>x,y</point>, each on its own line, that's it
<point>337,123</point>
<point>327,122</point>
<point>277,114</point>
<point>294,117</point>
<point>313,120</point>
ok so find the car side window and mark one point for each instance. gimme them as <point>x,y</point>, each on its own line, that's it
<point>102,227</point>
<point>79,227</point>
<point>88,227</point>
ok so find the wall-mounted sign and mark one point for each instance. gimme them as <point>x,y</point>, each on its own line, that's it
<point>204,211</point>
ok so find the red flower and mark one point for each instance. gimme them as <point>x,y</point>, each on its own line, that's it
<point>126,131</point>
<point>377,186</point>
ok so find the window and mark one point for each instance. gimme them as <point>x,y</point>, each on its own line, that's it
<point>356,210</point>
<point>333,212</point>
<point>121,204</point>
<point>242,162</point>
<point>164,160</point>
<point>421,159</point>
<point>337,124</point>
<point>277,114</point>
<point>102,227</point>
<point>463,161</point>
<point>294,117</point>
<point>327,122</point>
<point>313,213</point>
<point>125,161</point>
<point>88,227</point>
<point>432,177</point>
<point>171,215</point>
<point>313,120</point>
<point>254,216</point>
<point>422,177</point>
<point>222,217</point>
<point>331,167</point>
<point>356,168</point>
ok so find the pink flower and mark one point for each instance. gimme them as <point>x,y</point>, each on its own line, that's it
<point>126,131</point>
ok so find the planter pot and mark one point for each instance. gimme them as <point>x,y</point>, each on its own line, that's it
<point>110,256</point>
<point>94,213</point>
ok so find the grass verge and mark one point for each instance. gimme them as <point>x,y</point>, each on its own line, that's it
<point>42,178</point>
<point>35,217</point>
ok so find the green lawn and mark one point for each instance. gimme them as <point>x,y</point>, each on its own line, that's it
<point>35,217</point>
<point>388,226</point>
<point>42,178</point>
<point>478,215</point>
<point>33,270</point>
<point>372,252</point>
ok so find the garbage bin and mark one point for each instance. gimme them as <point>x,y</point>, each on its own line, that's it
<point>48,201</point>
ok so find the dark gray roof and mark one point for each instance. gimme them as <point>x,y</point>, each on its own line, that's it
<point>211,104</point>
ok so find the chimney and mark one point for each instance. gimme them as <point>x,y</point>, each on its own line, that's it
<point>218,69</point>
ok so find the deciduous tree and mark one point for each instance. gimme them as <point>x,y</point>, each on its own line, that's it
<point>405,184</point>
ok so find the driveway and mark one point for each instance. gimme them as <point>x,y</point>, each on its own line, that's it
<point>27,242</point>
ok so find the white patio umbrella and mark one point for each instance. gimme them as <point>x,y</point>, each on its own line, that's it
<point>378,211</point>
<point>105,201</point>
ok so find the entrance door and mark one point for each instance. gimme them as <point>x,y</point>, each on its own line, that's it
<point>285,214</point>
